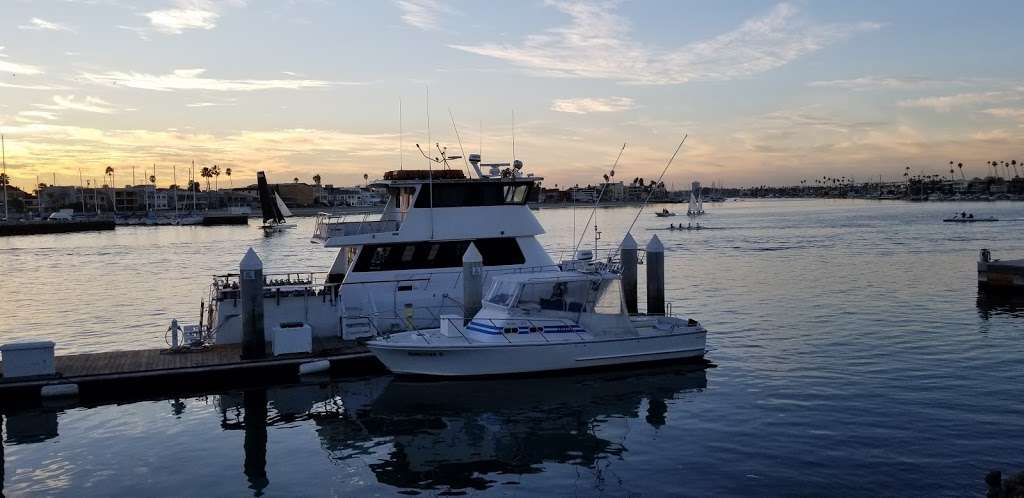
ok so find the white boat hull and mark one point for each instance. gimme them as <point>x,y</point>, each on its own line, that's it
<point>505,359</point>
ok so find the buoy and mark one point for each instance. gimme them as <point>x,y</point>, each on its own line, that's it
<point>314,367</point>
<point>59,390</point>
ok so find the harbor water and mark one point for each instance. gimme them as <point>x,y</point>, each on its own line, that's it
<point>853,356</point>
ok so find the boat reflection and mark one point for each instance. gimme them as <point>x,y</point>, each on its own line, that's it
<point>993,304</point>
<point>452,434</point>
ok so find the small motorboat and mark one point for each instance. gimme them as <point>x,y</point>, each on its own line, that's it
<point>664,213</point>
<point>967,218</point>
<point>542,322</point>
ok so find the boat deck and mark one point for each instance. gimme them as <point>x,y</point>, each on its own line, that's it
<point>150,372</point>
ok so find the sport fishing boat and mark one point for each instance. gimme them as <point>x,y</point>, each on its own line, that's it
<point>540,322</point>
<point>274,209</point>
<point>400,268</point>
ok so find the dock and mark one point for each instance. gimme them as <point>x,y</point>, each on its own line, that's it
<point>153,372</point>
<point>45,227</point>
<point>1000,275</point>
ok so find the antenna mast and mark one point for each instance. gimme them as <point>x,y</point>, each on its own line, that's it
<point>469,173</point>
<point>513,136</point>
<point>401,149</point>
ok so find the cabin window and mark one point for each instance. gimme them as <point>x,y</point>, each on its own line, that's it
<point>432,255</point>
<point>473,194</point>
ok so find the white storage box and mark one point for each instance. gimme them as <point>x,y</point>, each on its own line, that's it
<point>26,359</point>
<point>451,325</point>
<point>291,337</point>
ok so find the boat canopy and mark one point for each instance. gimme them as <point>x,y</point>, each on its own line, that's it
<point>573,292</point>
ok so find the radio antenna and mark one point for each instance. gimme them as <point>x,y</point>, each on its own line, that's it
<point>401,148</point>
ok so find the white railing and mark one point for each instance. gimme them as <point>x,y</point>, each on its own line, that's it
<point>341,225</point>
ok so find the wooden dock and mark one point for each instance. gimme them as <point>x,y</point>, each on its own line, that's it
<point>154,372</point>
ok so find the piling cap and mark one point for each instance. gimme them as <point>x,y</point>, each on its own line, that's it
<point>472,255</point>
<point>629,243</point>
<point>655,245</point>
<point>251,261</point>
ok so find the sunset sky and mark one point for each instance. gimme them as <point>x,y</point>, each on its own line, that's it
<point>768,92</point>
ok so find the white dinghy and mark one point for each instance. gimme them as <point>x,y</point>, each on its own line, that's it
<point>541,322</point>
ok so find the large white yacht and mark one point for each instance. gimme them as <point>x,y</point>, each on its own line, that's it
<point>401,269</point>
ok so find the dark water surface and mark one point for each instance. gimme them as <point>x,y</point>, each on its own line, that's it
<point>854,357</point>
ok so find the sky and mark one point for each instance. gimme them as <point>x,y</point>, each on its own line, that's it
<point>767,92</point>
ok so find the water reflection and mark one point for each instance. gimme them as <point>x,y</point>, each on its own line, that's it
<point>452,434</point>
<point>993,304</point>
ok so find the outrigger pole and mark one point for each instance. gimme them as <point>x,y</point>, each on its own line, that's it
<point>651,193</point>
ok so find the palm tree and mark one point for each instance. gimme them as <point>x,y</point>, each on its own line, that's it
<point>215,171</point>
<point>206,172</point>
<point>366,180</point>
<point>110,172</point>
<point>227,171</point>
<point>295,180</point>
<point>4,180</point>
<point>152,179</point>
<point>961,166</point>
<point>316,179</point>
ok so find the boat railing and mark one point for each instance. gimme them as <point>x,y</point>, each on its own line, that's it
<point>279,284</point>
<point>329,225</point>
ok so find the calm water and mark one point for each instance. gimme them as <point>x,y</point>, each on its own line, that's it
<point>854,358</point>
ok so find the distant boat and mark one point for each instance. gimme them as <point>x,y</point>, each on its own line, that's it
<point>968,218</point>
<point>696,207</point>
<point>274,209</point>
<point>664,213</point>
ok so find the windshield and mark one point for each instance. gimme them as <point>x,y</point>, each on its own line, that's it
<point>502,294</point>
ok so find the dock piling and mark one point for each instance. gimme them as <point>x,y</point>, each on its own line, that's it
<point>254,344</point>
<point>655,277</point>
<point>472,282</point>
<point>628,256</point>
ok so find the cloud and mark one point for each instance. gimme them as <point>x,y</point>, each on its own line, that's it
<point>422,14</point>
<point>188,16</point>
<point>946,103</point>
<point>866,83</point>
<point>49,115</point>
<point>37,24</point>
<point>191,79</point>
<point>1006,112</point>
<point>588,105</point>
<point>16,68</point>
<point>31,86</point>
<point>208,104</point>
<point>71,103</point>
<point>597,44</point>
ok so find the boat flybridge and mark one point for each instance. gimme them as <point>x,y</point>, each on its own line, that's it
<point>400,269</point>
<point>540,322</point>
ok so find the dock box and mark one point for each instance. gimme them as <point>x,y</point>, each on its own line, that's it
<point>291,337</point>
<point>27,359</point>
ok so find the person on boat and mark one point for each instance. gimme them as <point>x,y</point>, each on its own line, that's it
<point>970,216</point>
<point>963,214</point>
<point>671,226</point>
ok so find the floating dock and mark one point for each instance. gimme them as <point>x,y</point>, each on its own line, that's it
<point>151,372</point>
<point>43,227</point>
<point>997,275</point>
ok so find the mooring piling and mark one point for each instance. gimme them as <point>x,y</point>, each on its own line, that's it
<point>254,344</point>
<point>628,256</point>
<point>655,277</point>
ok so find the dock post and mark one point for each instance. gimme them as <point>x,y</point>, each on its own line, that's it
<point>655,277</point>
<point>627,255</point>
<point>472,282</point>
<point>254,343</point>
